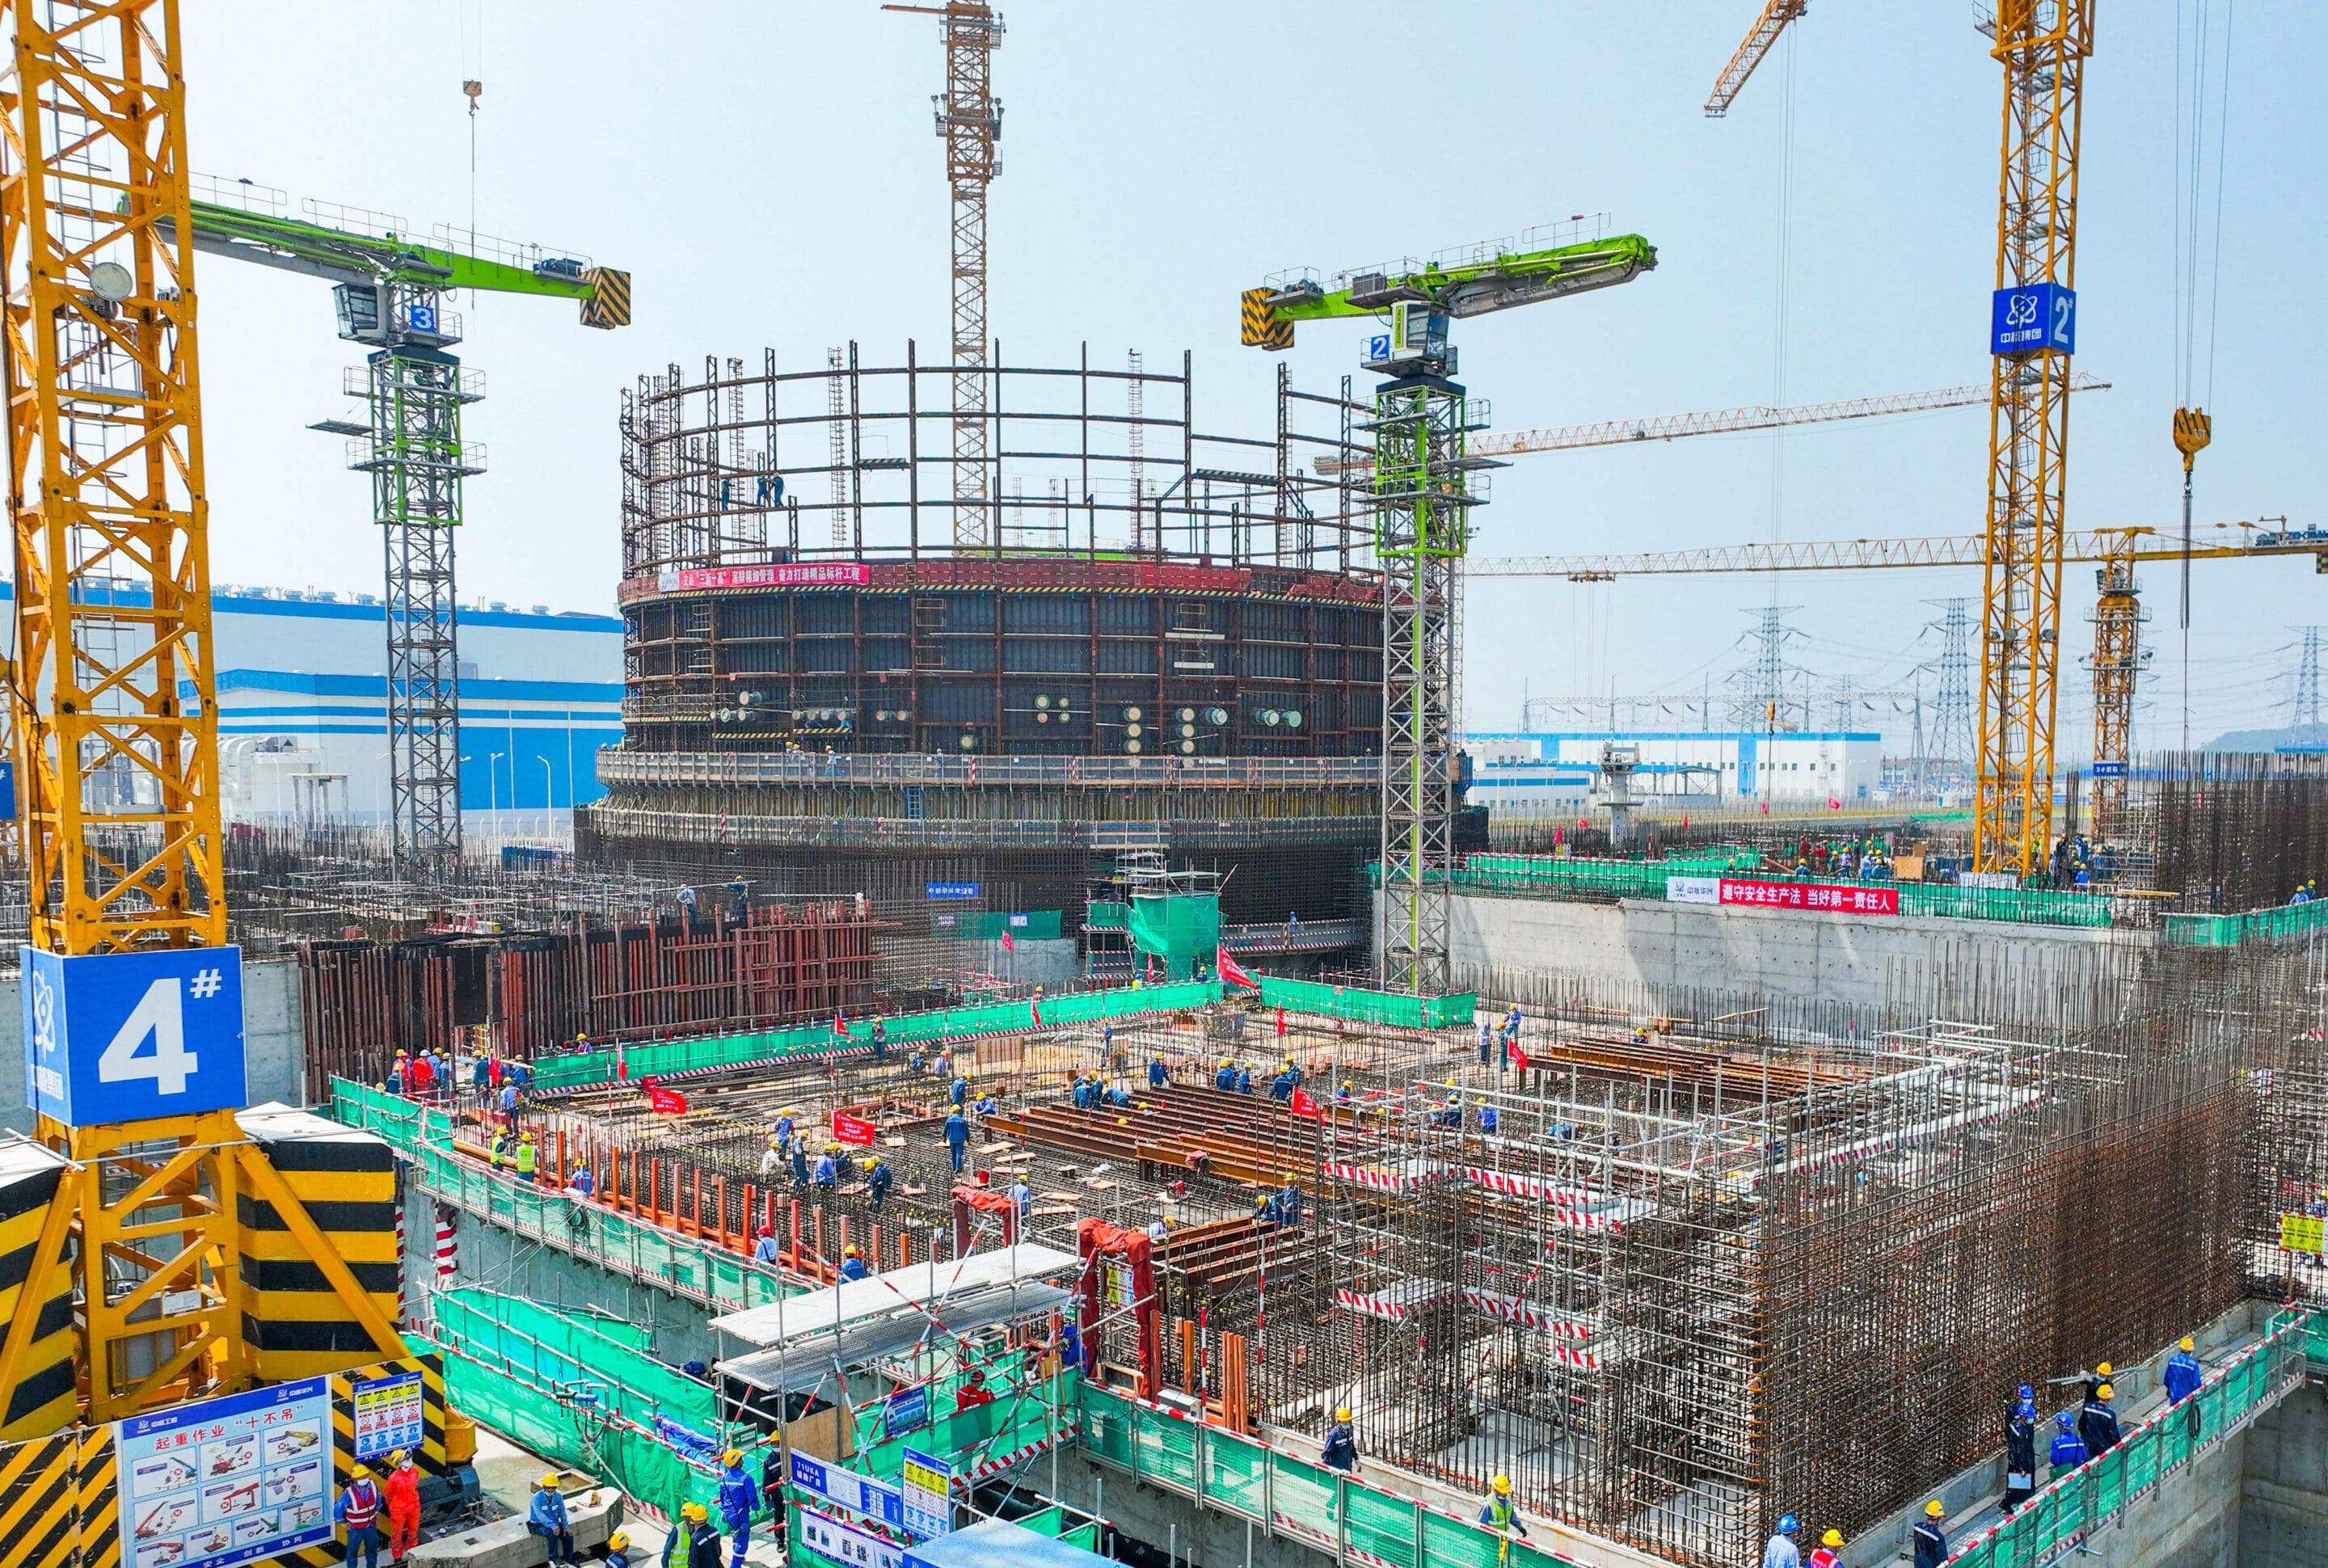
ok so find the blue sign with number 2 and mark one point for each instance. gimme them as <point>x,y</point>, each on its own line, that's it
<point>2030,316</point>
<point>128,1037</point>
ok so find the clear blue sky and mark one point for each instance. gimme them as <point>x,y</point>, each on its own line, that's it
<point>769,174</point>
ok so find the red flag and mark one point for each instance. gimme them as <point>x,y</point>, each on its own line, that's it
<point>1280,1023</point>
<point>1519,1058</point>
<point>847,1129</point>
<point>1303,1105</point>
<point>1009,946</point>
<point>1035,1009</point>
<point>621,1067</point>
<point>1232,971</point>
<point>669,1102</point>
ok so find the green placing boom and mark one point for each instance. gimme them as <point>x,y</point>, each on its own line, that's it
<point>343,255</point>
<point>1472,282</point>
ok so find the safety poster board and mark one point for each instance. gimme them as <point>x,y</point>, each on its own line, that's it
<point>388,1416</point>
<point>927,1484</point>
<point>2302,1232</point>
<point>224,1481</point>
<point>846,1543</point>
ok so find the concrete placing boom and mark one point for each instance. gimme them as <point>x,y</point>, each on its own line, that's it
<point>1425,487</point>
<point>1713,422</point>
<point>389,290</point>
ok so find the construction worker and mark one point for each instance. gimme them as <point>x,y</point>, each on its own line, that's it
<point>1081,1094</point>
<point>1342,1095</point>
<point>418,1076</point>
<point>960,1092</point>
<point>1157,1231</point>
<point>877,1181</point>
<point>547,1518</point>
<point>828,1173</point>
<point>2020,1452</point>
<point>765,1250</point>
<point>481,1072</point>
<point>1484,1036</point>
<point>800,1161</point>
<point>2095,1378</point>
<point>1499,1514</point>
<point>1244,1079</point>
<point>2304,895</point>
<point>957,1137</point>
<point>852,1263</point>
<point>527,1157</point>
<point>403,1505</point>
<point>1486,1117</point>
<point>2098,1422</point>
<point>357,1511</point>
<point>703,1540</point>
<point>880,1043</point>
<point>784,1128</point>
<point>1282,1087</point>
<point>1119,1098</point>
<point>1289,1204</point>
<point>618,1549</point>
<point>2068,1449</point>
<point>497,1151</point>
<point>2183,1376</point>
<point>1341,1444</point>
<point>400,1072</point>
<point>973,1392</point>
<point>583,1181</point>
<point>1829,1552</point>
<point>985,1106</point>
<point>1781,1552</point>
<point>1225,1078</point>
<point>1159,1075</point>
<point>1931,1542</point>
<point>772,1163</point>
<point>739,1499</point>
<point>509,1102</point>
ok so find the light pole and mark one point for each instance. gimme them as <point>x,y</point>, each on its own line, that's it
<point>493,790</point>
<point>548,796</point>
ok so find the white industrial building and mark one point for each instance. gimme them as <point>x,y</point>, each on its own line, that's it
<point>303,706</point>
<point>1836,764</point>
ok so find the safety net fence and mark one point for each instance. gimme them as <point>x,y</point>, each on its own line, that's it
<point>1371,1007</point>
<point>1340,1514</point>
<point>1584,878</point>
<point>714,1053</point>
<point>2283,923</point>
<point>2054,1522</point>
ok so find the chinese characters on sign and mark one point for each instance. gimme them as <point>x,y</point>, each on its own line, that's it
<point>839,1543</point>
<point>388,1415</point>
<point>804,575</point>
<point>226,1481</point>
<point>928,1487</point>
<point>1811,896</point>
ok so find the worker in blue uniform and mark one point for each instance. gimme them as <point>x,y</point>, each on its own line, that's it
<point>2182,1374</point>
<point>957,1137</point>
<point>877,1182</point>
<point>1225,1078</point>
<point>1930,1540</point>
<point>1781,1552</point>
<point>1282,1087</point>
<point>1341,1444</point>
<point>1245,1080</point>
<point>2020,1452</point>
<point>2068,1450</point>
<point>852,1263</point>
<point>827,1174</point>
<point>1159,1075</point>
<point>800,1162</point>
<point>2098,1422</point>
<point>960,1092</point>
<point>1499,1514</point>
<point>739,1499</point>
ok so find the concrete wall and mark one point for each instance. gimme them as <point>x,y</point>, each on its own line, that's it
<point>274,1050</point>
<point>2283,1513</point>
<point>1500,942</point>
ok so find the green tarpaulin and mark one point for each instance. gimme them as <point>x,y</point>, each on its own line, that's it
<point>1180,931</point>
<point>1372,1007</point>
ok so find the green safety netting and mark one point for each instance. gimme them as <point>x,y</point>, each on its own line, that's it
<point>1181,929</point>
<point>2273,924</point>
<point>1579,877</point>
<point>1343,1515</point>
<point>703,1271</point>
<point>1106,917</point>
<point>554,1350</point>
<point>1372,1007</point>
<point>902,1029</point>
<point>1040,925</point>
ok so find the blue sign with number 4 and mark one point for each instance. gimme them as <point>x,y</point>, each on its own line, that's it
<point>2030,316</point>
<point>128,1037</point>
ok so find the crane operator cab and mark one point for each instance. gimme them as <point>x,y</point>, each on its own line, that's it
<point>1416,343</point>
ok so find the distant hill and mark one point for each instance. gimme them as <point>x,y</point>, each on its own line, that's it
<point>2270,739</point>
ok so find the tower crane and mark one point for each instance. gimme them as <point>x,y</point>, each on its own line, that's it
<point>1711,422</point>
<point>166,1226</point>
<point>389,291</point>
<point>2042,46</point>
<point>969,122</point>
<point>1426,483</point>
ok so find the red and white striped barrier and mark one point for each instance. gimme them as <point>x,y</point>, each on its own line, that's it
<point>1382,1180</point>
<point>447,1250</point>
<point>1018,1456</point>
<point>1525,1187</point>
<point>1574,1219</point>
<point>1512,1310</point>
<point>1382,1307</point>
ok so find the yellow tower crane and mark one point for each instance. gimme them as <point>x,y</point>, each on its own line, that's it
<point>156,1238</point>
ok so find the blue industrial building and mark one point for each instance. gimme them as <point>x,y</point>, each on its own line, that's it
<point>303,706</point>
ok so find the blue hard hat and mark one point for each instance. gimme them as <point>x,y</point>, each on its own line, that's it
<point>1789,1525</point>
<point>2027,1392</point>
<point>2062,1421</point>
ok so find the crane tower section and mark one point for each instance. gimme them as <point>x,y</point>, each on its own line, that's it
<point>2043,45</point>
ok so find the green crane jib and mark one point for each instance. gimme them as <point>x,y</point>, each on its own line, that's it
<point>1424,487</point>
<point>1469,282</point>
<point>342,256</point>
<point>390,293</point>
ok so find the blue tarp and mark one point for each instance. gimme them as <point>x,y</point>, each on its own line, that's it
<point>999,1543</point>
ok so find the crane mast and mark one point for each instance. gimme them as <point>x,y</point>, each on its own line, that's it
<point>2042,46</point>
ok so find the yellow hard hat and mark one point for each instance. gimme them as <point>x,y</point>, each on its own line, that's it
<point>2103,1370</point>
<point>361,1473</point>
<point>1932,1510</point>
<point>2106,1390</point>
<point>1342,1413</point>
<point>735,1456</point>
<point>1502,1485</point>
<point>2187,1345</point>
<point>618,1542</point>
<point>789,1111</point>
<point>525,1137</point>
<point>1345,1084</point>
<point>695,1512</point>
<point>550,1482</point>
<point>399,1457</point>
<point>1832,1539</point>
<point>849,1252</point>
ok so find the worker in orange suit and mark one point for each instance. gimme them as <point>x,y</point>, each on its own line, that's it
<point>403,1505</point>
